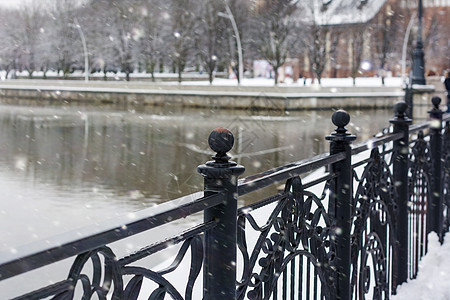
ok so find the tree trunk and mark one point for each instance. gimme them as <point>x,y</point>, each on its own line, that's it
<point>152,69</point>
<point>211,78</point>
<point>275,76</point>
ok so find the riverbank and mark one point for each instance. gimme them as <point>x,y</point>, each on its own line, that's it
<point>368,93</point>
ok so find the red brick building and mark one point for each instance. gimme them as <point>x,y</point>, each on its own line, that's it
<point>366,37</point>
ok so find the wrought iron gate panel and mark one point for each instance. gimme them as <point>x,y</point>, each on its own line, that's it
<point>373,229</point>
<point>293,246</point>
<point>419,189</point>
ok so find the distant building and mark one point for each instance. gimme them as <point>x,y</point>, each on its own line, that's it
<point>367,36</point>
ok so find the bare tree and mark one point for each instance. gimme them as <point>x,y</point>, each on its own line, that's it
<point>10,37</point>
<point>64,35</point>
<point>151,44</point>
<point>31,29</point>
<point>211,39</point>
<point>315,35</point>
<point>317,49</point>
<point>275,22</point>
<point>184,23</point>
<point>125,33</point>
<point>335,36</point>
<point>383,33</point>
<point>96,17</point>
<point>356,44</point>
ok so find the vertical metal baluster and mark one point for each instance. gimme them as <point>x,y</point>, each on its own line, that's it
<point>409,238</point>
<point>300,278</point>
<point>308,279</point>
<point>322,296</point>
<point>421,215</point>
<point>446,174</point>
<point>275,291</point>
<point>220,175</point>
<point>315,283</point>
<point>293,279</point>
<point>412,231</point>
<point>419,225</point>
<point>424,205</point>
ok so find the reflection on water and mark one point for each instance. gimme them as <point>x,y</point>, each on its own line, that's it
<point>62,168</point>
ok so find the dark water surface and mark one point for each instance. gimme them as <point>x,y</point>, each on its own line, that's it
<point>62,168</point>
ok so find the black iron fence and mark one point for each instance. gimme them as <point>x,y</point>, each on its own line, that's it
<point>356,226</point>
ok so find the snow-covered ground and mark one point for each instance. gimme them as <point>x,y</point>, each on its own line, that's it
<point>325,82</point>
<point>259,81</point>
<point>433,279</point>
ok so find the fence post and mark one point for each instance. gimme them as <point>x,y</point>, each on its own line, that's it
<point>220,175</point>
<point>401,124</point>
<point>340,202</point>
<point>434,208</point>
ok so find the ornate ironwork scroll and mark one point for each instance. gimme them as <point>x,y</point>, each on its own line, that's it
<point>105,276</point>
<point>100,274</point>
<point>373,230</point>
<point>293,248</point>
<point>419,182</point>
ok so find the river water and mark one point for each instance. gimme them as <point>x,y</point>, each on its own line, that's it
<point>62,168</point>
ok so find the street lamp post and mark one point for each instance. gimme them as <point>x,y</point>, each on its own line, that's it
<point>404,48</point>
<point>86,55</point>
<point>408,84</point>
<point>229,16</point>
<point>418,76</point>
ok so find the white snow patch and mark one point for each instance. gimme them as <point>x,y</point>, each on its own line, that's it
<point>433,278</point>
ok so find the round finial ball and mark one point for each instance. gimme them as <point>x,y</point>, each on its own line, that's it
<point>400,107</point>
<point>221,140</point>
<point>436,101</point>
<point>340,118</point>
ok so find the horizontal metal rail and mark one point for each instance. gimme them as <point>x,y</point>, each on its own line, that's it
<point>375,142</point>
<point>418,127</point>
<point>39,254</point>
<point>265,179</point>
<point>152,249</point>
<point>446,117</point>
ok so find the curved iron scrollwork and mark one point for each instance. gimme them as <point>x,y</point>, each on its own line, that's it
<point>105,274</point>
<point>373,229</point>
<point>133,288</point>
<point>299,227</point>
<point>107,278</point>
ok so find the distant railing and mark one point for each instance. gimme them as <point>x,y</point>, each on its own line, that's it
<point>356,227</point>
